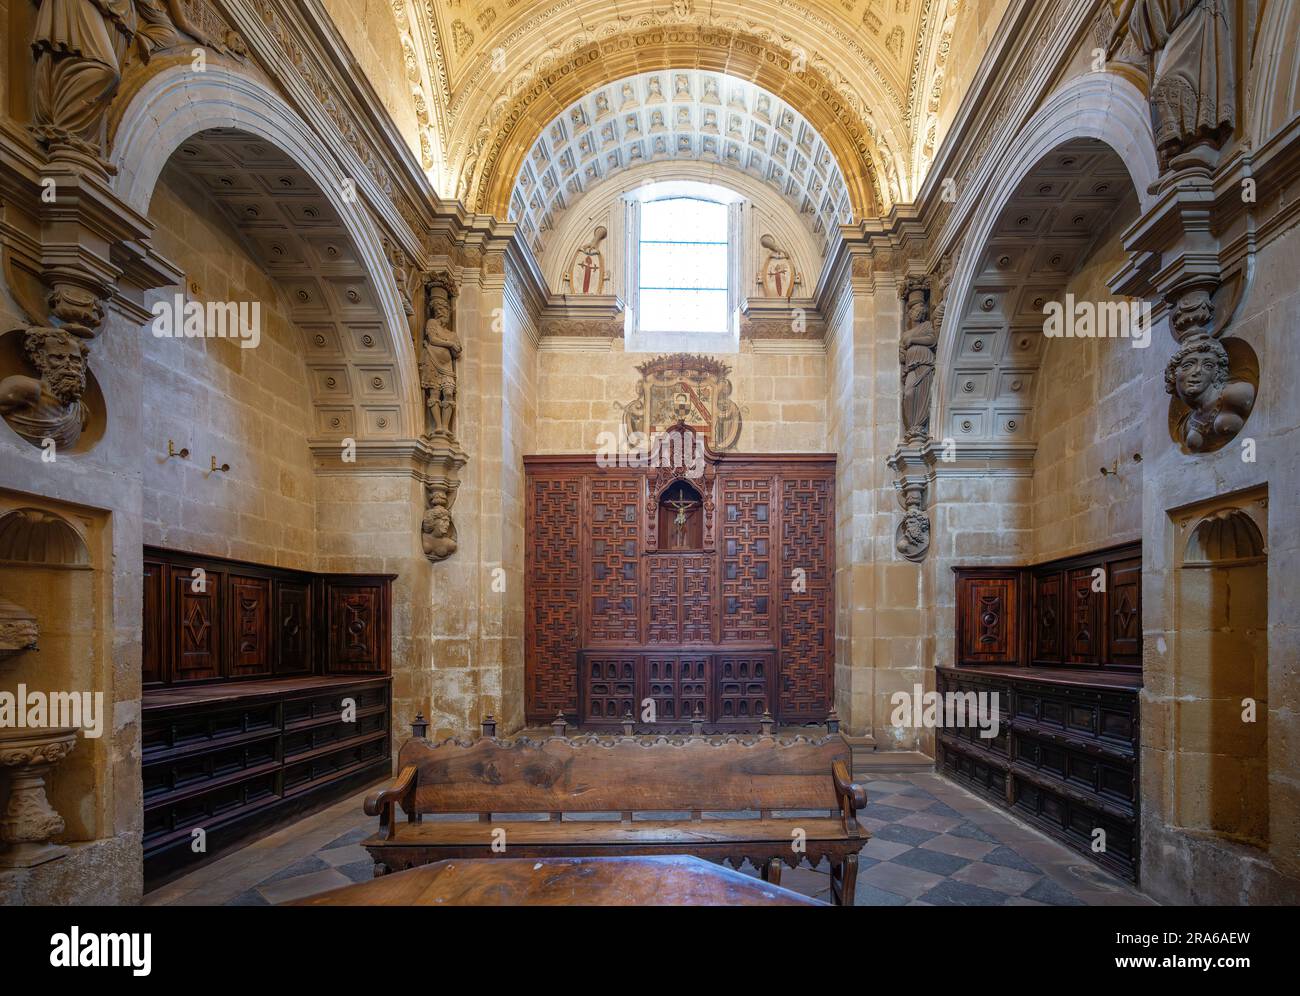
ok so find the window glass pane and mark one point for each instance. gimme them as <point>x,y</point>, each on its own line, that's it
<point>683,219</point>
<point>666,265</point>
<point>683,311</point>
<point>683,266</point>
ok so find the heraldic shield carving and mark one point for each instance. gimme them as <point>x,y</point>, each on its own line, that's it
<point>686,389</point>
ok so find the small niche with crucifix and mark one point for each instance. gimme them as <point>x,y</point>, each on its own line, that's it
<point>681,523</point>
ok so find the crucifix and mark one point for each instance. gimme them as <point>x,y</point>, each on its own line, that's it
<point>683,507</point>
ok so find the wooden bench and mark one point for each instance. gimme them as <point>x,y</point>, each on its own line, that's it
<point>796,795</point>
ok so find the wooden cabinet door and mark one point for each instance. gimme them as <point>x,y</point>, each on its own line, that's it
<point>249,605</point>
<point>293,633</point>
<point>1124,612</point>
<point>807,626</point>
<point>153,636</point>
<point>1046,618</point>
<point>987,620</point>
<point>1083,632</point>
<point>355,626</point>
<point>746,541</point>
<point>196,624</point>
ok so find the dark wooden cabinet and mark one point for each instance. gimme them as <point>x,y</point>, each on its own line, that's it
<point>1060,644</point>
<point>654,591</point>
<point>266,691</point>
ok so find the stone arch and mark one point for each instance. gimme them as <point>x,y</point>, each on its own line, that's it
<point>216,107</point>
<point>996,285</point>
<point>1275,85</point>
<point>488,172</point>
<point>37,537</point>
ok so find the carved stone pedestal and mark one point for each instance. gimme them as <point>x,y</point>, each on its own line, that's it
<point>29,821</point>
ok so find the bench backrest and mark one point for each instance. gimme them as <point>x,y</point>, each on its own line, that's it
<point>589,776</point>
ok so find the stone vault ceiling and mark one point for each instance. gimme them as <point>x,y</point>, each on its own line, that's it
<point>1044,234</point>
<point>677,116</point>
<point>867,74</point>
<point>291,229</point>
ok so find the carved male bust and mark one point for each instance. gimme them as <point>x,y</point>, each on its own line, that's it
<point>913,537</point>
<point>1197,374</point>
<point>48,406</point>
<point>437,533</point>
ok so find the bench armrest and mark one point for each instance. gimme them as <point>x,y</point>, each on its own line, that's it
<point>401,792</point>
<point>850,794</point>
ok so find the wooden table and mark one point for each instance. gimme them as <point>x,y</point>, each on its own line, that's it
<point>671,880</point>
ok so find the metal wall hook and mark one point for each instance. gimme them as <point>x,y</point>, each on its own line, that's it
<point>213,468</point>
<point>172,451</point>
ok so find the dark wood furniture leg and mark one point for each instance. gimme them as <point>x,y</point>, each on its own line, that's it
<point>772,871</point>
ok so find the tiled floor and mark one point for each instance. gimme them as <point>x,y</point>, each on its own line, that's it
<point>933,844</point>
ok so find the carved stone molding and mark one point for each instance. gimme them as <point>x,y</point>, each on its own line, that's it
<point>18,630</point>
<point>29,822</point>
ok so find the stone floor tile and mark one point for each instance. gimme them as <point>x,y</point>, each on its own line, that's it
<point>901,834</point>
<point>971,832</point>
<point>337,856</point>
<point>883,850</point>
<point>931,861</point>
<point>869,895</point>
<point>1008,858</point>
<point>1047,891</point>
<point>285,889</point>
<point>960,846</point>
<point>929,821</point>
<point>910,883</point>
<point>1004,880</point>
<point>950,892</point>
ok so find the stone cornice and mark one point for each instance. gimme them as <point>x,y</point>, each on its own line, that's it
<point>965,459</point>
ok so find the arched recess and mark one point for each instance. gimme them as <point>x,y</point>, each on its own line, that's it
<point>602,204</point>
<point>1035,224</point>
<point>488,169</point>
<point>292,176</point>
<point>1275,83</point>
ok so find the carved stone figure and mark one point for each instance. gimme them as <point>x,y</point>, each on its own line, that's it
<point>401,275</point>
<point>916,354</point>
<point>587,271</point>
<point>48,406</point>
<point>1188,44</point>
<point>634,415</point>
<point>438,533</point>
<point>1217,407</point>
<point>726,418</point>
<point>438,355</point>
<point>81,47</point>
<point>778,275</point>
<point>695,390</point>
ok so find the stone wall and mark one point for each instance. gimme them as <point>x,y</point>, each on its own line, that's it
<point>782,395</point>
<point>249,408</point>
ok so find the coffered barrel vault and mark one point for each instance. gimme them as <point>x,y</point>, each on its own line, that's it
<point>293,229</point>
<point>676,117</point>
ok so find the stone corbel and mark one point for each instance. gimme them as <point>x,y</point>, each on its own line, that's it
<point>441,475</point>
<point>912,538</point>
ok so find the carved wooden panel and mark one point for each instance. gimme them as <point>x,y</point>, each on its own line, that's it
<point>987,620</point>
<point>153,649</point>
<point>1047,616</point>
<point>663,600</point>
<point>1083,632</point>
<point>610,687</point>
<point>196,639</point>
<point>806,621</point>
<point>697,588</point>
<point>744,683</point>
<point>746,539</point>
<point>353,615</point>
<point>677,685</point>
<point>554,594</point>
<point>613,614</point>
<point>1124,610</point>
<point>249,605</point>
<point>293,627</point>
